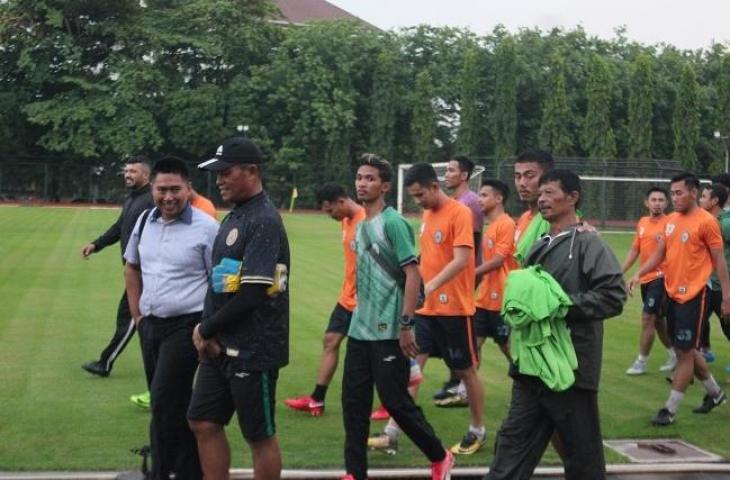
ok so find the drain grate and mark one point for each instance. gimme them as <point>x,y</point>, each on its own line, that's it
<point>660,450</point>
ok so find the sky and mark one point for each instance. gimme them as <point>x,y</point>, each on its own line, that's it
<point>685,24</point>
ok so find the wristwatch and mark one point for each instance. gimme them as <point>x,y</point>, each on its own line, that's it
<point>407,322</point>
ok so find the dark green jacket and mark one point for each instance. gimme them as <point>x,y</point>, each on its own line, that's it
<point>724,219</point>
<point>590,274</point>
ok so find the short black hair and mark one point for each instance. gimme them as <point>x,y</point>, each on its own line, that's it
<point>331,192</point>
<point>535,155</point>
<point>569,181</point>
<point>385,170</point>
<point>499,186</point>
<point>422,173</point>
<point>465,164</point>
<point>722,179</point>
<point>661,190</point>
<point>143,159</point>
<point>689,179</point>
<point>718,191</point>
<point>171,164</point>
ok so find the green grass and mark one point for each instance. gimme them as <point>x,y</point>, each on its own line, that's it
<point>58,311</point>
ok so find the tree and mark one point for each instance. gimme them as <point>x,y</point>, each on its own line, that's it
<point>686,119</point>
<point>597,135</point>
<point>556,115</point>
<point>504,118</point>
<point>423,123</point>
<point>471,120</point>
<point>723,90</point>
<point>641,108</point>
<point>386,101</point>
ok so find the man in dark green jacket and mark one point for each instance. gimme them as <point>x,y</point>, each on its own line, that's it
<point>588,271</point>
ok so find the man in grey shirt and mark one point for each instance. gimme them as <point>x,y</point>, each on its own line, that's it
<point>168,262</point>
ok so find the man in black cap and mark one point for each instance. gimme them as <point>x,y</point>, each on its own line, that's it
<point>243,338</point>
<point>137,179</point>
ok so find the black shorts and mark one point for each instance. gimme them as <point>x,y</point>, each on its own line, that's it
<point>339,320</point>
<point>489,323</point>
<point>654,296</point>
<point>222,387</point>
<point>685,321</point>
<point>452,337</point>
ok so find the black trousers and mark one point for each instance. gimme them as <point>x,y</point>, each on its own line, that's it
<point>122,335</point>
<point>380,363</point>
<point>534,413</point>
<point>171,360</point>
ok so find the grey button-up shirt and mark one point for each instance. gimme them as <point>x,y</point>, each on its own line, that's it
<point>175,259</point>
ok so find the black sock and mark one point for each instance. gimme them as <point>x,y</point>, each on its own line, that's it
<point>319,393</point>
<point>453,379</point>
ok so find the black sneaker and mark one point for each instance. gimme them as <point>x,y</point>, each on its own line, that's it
<point>709,402</point>
<point>96,368</point>
<point>449,389</point>
<point>663,418</point>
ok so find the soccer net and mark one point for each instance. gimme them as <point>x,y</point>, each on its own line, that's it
<point>406,205</point>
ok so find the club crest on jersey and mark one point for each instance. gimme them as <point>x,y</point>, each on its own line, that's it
<point>232,237</point>
<point>443,298</point>
<point>684,237</point>
<point>670,228</point>
<point>490,243</point>
<point>438,237</point>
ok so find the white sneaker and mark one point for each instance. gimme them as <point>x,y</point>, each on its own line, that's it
<point>636,368</point>
<point>669,365</point>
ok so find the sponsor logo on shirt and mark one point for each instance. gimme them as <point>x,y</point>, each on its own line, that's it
<point>443,298</point>
<point>232,237</point>
<point>490,243</point>
<point>684,237</point>
<point>438,237</point>
<point>670,228</point>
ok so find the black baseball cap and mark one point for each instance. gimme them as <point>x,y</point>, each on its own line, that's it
<point>233,151</point>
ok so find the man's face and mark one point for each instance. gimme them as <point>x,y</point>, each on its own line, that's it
<point>368,184</point>
<point>527,180</point>
<point>136,175</point>
<point>554,203</point>
<point>706,200</point>
<point>489,198</point>
<point>454,176</point>
<point>424,196</point>
<point>656,203</point>
<point>683,197</point>
<point>236,183</point>
<point>336,209</point>
<point>171,193</point>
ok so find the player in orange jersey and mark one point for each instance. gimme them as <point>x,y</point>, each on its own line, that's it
<point>649,231</point>
<point>337,204</point>
<point>497,261</point>
<point>692,244</point>
<point>447,266</point>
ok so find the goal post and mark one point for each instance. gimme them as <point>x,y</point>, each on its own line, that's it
<point>475,180</point>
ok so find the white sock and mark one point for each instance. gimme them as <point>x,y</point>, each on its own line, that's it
<point>391,429</point>
<point>480,432</point>
<point>643,358</point>
<point>675,398</point>
<point>711,386</point>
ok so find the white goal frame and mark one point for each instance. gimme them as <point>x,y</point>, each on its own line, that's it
<point>403,167</point>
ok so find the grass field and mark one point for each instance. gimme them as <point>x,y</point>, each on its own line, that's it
<point>57,311</point>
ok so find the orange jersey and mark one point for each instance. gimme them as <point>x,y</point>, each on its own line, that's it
<point>498,240</point>
<point>349,286</point>
<point>688,263</point>
<point>448,227</point>
<point>649,231</point>
<point>522,223</point>
<point>205,205</point>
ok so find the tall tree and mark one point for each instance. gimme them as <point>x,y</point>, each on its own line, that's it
<point>556,115</point>
<point>686,123</point>
<point>386,105</point>
<point>723,91</point>
<point>423,123</point>
<point>597,135</point>
<point>471,121</point>
<point>641,108</point>
<point>504,118</point>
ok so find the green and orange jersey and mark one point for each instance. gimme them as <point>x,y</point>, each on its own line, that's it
<point>687,262</point>
<point>499,240</point>
<point>649,231</point>
<point>441,231</point>
<point>348,294</point>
